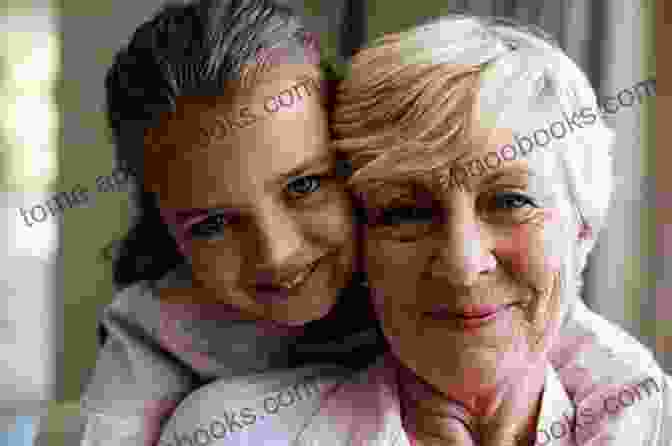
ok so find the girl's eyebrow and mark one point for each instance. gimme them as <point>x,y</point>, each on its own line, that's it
<point>310,165</point>
<point>184,215</point>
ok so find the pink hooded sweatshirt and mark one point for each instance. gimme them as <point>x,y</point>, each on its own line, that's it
<point>156,353</point>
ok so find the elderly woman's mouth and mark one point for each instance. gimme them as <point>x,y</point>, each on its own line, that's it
<point>470,316</point>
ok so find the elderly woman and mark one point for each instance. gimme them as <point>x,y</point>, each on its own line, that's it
<point>241,253</point>
<point>483,170</point>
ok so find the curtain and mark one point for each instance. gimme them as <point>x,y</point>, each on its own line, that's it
<point>28,239</point>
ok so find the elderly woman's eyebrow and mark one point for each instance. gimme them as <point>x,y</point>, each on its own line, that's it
<point>504,172</point>
<point>406,188</point>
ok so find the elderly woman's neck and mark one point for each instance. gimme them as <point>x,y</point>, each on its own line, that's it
<point>504,416</point>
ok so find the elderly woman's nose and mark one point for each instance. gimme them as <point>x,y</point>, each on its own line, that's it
<point>462,250</point>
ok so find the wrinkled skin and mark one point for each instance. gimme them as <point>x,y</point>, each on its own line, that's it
<point>501,240</point>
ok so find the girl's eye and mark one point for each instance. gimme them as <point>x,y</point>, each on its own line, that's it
<point>303,185</point>
<point>212,225</point>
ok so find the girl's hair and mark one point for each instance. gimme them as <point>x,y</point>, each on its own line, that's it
<point>410,98</point>
<point>186,49</point>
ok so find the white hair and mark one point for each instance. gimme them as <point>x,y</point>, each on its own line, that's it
<point>523,80</point>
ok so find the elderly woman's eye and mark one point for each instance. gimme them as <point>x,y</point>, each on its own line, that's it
<point>401,223</point>
<point>405,214</point>
<point>301,186</point>
<point>209,227</point>
<point>509,205</point>
<point>512,201</point>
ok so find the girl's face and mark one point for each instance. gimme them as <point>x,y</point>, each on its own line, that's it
<point>465,281</point>
<point>248,186</point>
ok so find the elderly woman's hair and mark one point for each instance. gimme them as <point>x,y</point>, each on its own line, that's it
<point>410,96</point>
<point>186,49</point>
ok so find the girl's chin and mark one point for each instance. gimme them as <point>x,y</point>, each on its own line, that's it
<point>298,313</point>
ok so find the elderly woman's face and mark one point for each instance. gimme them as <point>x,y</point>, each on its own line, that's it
<point>466,281</point>
<point>249,188</point>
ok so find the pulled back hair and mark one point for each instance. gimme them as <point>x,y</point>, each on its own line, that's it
<point>185,49</point>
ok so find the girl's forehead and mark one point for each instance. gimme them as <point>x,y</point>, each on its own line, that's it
<point>196,120</point>
<point>233,153</point>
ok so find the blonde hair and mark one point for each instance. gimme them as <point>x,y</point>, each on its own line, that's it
<point>411,97</point>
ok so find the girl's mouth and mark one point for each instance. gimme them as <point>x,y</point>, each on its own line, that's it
<point>282,292</point>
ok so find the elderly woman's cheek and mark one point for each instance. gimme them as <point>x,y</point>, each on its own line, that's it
<point>535,250</point>
<point>393,270</point>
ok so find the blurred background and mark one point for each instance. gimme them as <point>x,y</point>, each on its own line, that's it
<point>53,137</point>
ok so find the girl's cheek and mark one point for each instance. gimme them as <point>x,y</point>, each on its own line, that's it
<point>331,224</point>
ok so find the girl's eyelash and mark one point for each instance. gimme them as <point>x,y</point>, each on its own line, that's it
<point>315,185</point>
<point>316,182</point>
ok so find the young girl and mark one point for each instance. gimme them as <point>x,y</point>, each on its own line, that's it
<point>241,253</point>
